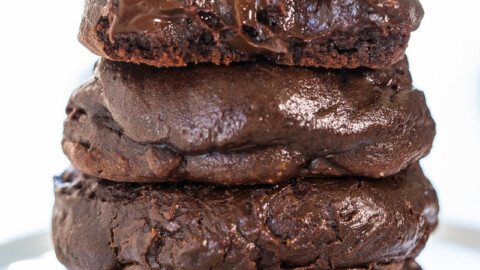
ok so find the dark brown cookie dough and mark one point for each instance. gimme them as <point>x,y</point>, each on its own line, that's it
<point>352,223</point>
<point>332,34</point>
<point>246,123</point>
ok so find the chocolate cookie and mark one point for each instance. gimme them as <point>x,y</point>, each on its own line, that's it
<point>352,223</point>
<point>246,123</point>
<point>332,34</point>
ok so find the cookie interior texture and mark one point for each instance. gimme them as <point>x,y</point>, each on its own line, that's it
<point>248,123</point>
<point>319,223</point>
<point>332,34</point>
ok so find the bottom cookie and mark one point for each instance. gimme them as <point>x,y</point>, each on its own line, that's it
<point>325,223</point>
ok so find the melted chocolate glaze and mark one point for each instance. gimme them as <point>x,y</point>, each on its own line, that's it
<point>352,223</point>
<point>247,123</point>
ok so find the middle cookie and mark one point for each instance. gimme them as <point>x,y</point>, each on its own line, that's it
<point>249,123</point>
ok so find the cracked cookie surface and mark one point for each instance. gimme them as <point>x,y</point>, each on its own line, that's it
<point>353,223</point>
<point>249,123</point>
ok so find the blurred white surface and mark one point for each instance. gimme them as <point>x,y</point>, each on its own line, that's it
<point>42,62</point>
<point>45,261</point>
<point>444,57</point>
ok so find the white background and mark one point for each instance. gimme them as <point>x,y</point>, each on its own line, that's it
<point>42,62</point>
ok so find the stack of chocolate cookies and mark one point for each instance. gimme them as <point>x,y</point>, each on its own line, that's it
<point>290,140</point>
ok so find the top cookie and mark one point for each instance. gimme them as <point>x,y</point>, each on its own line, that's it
<point>326,33</point>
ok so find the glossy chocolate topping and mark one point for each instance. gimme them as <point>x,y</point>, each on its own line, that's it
<point>352,223</point>
<point>326,33</point>
<point>245,123</point>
